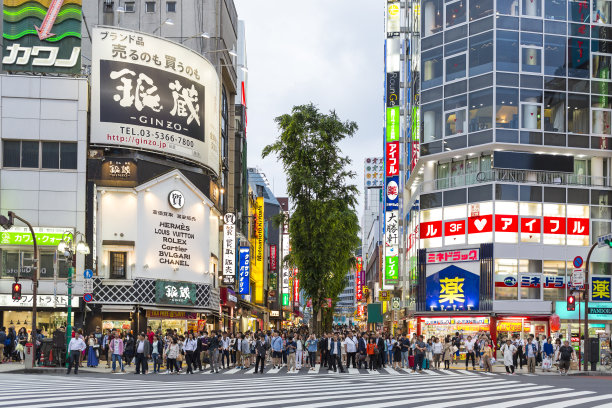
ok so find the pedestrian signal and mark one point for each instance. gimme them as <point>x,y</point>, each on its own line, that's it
<point>571,303</point>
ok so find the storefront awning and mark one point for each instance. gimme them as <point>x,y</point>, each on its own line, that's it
<point>117,308</point>
<point>175,309</point>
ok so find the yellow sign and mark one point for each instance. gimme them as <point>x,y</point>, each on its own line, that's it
<point>601,289</point>
<point>257,265</point>
<point>451,290</point>
<point>384,295</point>
<point>510,327</point>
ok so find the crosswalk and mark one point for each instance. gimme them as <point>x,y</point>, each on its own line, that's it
<point>48,391</point>
<point>354,371</point>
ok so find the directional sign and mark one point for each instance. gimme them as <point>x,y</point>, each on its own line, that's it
<point>88,274</point>
<point>601,241</point>
<point>44,31</point>
<point>87,297</point>
<point>577,277</point>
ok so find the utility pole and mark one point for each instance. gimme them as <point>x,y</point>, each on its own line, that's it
<point>586,310</point>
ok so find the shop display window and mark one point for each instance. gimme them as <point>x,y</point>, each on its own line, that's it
<point>506,270</point>
<point>506,111</point>
<point>48,322</point>
<point>481,110</point>
<point>554,269</point>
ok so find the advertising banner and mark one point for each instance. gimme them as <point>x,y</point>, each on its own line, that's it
<point>42,36</point>
<point>152,94</point>
<point>245,271</point>
<point>229,249</point>
<point>358,282</point>
<point>601,288</point>
<point>374,172</point>
<point>175,293</point>
<point>257,263</point>
<point>454,288</point>
<point>392,200</point>
<point>273,260</point>
<point>286,271</point>
<point>22,236</point>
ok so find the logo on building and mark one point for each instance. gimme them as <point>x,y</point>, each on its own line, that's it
<point>176,199</point>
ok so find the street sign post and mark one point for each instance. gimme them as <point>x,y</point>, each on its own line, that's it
<point>578,278</point>
<point>578,261</point>
<point>87,297</point>
<point>384,295</point>
<point>88,274</point>
<point>88,286</point>
<point>604,240</point>
<point>396,303</point>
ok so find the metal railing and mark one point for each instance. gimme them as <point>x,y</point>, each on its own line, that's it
<point>517,176</point>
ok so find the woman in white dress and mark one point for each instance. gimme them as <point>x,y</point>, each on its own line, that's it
<point>508,351</point>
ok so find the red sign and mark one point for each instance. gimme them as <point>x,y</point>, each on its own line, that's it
<point>358,283</point>
<point>392,159</point>
<point>296,290</point>
<point>461,255</point>
<point>506,223</point>
<point>414,157</point>
<point>273,258</point>
<point>454,228</point>
<point>577,226</point>
<point>431,229</point>
<point>554,225</point>
<point>531,225</point>
<point>476,225</point>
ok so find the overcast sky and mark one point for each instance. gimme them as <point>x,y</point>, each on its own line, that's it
<point>329,52</point>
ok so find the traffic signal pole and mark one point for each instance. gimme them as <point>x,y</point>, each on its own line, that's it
<point>586,309</point>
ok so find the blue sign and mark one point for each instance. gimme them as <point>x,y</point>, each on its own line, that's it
<point>578,262</point>
<point>244,271</point>
<point>392,192</point>
<point>600,288</point>
<point>453,288</point>
<point>88,274</point>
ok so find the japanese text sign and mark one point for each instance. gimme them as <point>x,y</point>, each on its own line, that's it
<point>600,285</point>
<point>459,255</point>
<point>229,249</point>
<point>175,293</point>
<point>453,288</point>
<point>244,271</point>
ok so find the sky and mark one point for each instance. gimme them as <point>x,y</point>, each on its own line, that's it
<point>328,52</point>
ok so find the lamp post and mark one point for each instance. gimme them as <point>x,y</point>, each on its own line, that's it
<point>69,249</point>
<point>7,223</point>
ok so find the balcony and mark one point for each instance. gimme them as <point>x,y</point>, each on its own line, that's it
<point>516,176</point>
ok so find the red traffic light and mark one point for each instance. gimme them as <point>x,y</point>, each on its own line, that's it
<point>571,303</point>
<point>16,291</point>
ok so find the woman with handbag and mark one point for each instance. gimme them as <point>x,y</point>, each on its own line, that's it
<point>92,352</point>
<point>487,355</point>
<point>173,352</point>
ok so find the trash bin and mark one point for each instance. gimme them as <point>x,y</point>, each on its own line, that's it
<point>29,355</point>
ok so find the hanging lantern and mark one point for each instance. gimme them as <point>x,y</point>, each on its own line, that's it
<point>555,323</point>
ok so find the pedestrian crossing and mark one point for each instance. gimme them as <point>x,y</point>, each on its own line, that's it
<point>55,391</point>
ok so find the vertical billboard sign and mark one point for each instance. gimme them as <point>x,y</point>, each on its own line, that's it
<point>392,145</point>
<point>42,36</point>
<point>229,249</point>
<point>245,271</point>
<point>285,291</point>
<point>148,93</point>
<point>358,281</point>
<point>258,256</point>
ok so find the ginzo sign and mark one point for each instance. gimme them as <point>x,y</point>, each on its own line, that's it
<point>152,94</point>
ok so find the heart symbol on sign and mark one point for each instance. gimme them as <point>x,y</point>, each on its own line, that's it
<point>531,113</point>
<point>531,57</point>
<point>480,224</point>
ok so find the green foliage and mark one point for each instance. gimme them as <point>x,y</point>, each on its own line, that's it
<point>324,227</point>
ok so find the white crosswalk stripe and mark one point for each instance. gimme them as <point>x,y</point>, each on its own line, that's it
<point>240,391</point>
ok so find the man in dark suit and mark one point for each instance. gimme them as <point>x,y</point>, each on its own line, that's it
<point>380,344</point>
<point>335,354</point>
<point>324,349</point>
<point>362,350</point>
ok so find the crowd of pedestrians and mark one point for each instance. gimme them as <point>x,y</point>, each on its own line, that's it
<point>175,353</point>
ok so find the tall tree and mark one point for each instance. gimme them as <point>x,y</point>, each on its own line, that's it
<point>323,229</point>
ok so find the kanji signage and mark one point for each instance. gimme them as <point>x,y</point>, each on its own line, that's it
<point>459,255</point>
<point>229,249</point>
<point>42,36</point>
<point>245,271</point>
<point>153,94</point>
<point>600,291</point>
<point>391,247</point>
<point>453,289</point>
<point>273,257</point>
<point>175,293</point>
<point>392,202</point>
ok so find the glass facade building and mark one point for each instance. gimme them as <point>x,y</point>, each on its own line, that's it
<point>487,77</point>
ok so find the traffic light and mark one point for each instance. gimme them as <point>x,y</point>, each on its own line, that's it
<point>609,242</point>
<point>571,303</point>
<point>16,291</point>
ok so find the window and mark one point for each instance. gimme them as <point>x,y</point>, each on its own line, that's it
<point>578,57</point>
<point>118,262</point>
<point>129,7</point>
<point>554,269</point>
<point>431,14</point>
<point>555,9</point>
<point>578,113</point>
<point>531,60</point>
<point>480,8</point>
<point>68,156</point>
<point>481,110</point>
<point>455,67</point>
<point>50,155</point>
<point>14,261</point>
<point>532,8</point>
<point>508,7</point>
<point>455,13</point>
<point>481,53</point>
<point>456,122</point>
<point>431,68</point>
<point>507,50</point>
<point>432,122</point>
<point>11,153</point>
<point>602,11</point>
<point>554,55</point>
<point>506,272</point>
<point>171,6</point>
<point>29,154</point>
<point>531,116</point>
<point>554,111</point>
<point>578,11</point>
<point>150,7</point>
<point>506,113</point>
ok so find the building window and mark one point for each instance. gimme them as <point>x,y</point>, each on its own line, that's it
<point>130,7</point>
<point>456,67</point>
<point>171,6</point>
<point>150,7</point>
<point>532,8</point>
<point>25,154</point>
<point>432,16</point>
<point>506,271</point>
<point>455,13</point>
<point>118,261</point>
<point>15,262</point>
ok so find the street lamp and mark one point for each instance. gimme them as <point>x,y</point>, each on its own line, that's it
<point>206,36</point>
<point>168,22</point>
<point>7,223</point>
<point>68,247</point>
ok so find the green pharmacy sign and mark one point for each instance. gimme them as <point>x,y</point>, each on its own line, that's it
<point>393,124</point>
<point>175,293</point>
<point>25,238</point>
